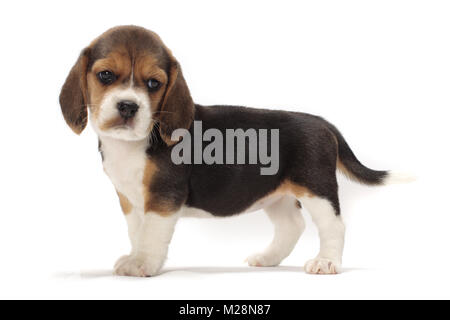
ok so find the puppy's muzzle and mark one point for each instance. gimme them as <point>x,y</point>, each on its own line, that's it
<point>127,109</point>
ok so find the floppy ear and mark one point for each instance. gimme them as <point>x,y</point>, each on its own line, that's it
<point>73,96</point>
<point>177,107</point>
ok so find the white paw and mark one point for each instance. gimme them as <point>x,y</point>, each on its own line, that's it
<point>322,266</point>
<point>262,260</point>
<point>133,266</point>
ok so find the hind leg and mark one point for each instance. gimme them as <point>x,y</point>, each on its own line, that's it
<point>288,222</point>
<point>331,233</point>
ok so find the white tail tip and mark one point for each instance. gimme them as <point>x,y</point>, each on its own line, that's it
<point>399,177</point>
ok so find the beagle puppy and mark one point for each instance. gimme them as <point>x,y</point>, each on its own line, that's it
<point>138,101</point>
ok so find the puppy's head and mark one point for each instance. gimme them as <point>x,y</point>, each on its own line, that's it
<point>130,82</point>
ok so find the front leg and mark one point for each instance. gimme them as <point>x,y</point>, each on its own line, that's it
<point>150,235</point>
<point>134,219</point>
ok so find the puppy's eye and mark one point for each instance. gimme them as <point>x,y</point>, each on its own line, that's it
<point>153,84</point>
<point>106,77</point>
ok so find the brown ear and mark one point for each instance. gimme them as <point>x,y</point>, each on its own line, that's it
<point>73,96</point>
<point>177,107</point>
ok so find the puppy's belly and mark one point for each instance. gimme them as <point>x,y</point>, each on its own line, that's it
<point>191,212</point>
<point>264,202</point>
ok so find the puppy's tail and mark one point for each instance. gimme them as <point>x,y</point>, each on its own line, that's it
<point>350,166</point>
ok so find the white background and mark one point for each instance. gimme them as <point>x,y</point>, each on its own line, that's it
<point>379,70</point>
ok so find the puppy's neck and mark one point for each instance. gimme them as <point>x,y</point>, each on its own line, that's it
<point>120,148</point>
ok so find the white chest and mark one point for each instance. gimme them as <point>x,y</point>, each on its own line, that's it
<point>124,163</point>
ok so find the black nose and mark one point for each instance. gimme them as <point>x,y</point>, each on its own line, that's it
<point>127,109</point>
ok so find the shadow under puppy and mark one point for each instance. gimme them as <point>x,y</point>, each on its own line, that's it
<point>137,98</point>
